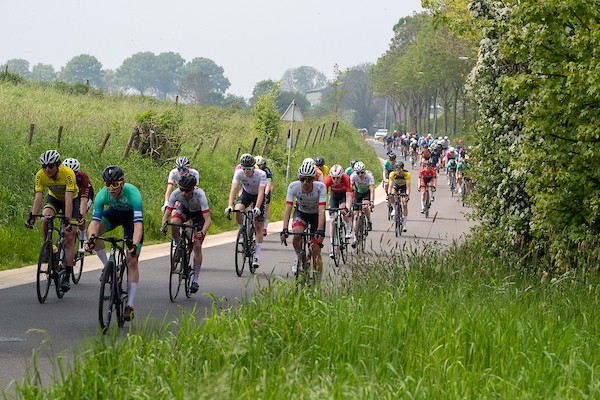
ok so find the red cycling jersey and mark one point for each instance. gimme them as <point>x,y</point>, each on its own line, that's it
<point>342,186</point>
<point>427,174</point>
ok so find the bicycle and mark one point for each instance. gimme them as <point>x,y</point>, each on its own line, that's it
<point>340,245</point>
<point>362,230</point>
<point>452,179</point>
<point>304,273</point>
<point>181,257</point>
<point>245,244</point>
<point>427,200</point>
<point>113,296</point>
<point>51,264</point>
<point>398,219</point>
<point>79,259</point>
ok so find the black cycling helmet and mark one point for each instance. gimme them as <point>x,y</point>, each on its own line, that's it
<point>246,160</point>
<point>113,173</point>
<point>319,161</point>
<point>187,181</point>
<point>392,155</point>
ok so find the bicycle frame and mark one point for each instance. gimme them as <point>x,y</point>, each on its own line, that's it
<point>245,242</point>
<point>304,273</point>
<point>55,270</point>
<point>181,254</point>
<point>338,235</point>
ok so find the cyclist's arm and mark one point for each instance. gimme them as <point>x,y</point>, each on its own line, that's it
<point>372,191</point>
<point>232,193</point>
<point>37,202</point>
<point>260,198</point>
<point>168,192</point>
<point>93,228</point>
<point>321,221</point>
<point>69,205</point>
<point>138,232</point>
<point>287,212</point>
<point>207,222</point>
<point>83,206</point>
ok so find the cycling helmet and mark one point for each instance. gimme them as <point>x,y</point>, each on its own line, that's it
<point>336,171</point>
<point>308,161</point>
<point>399,165</point>
<point>71,163</point>
<point>319,161</point>
<point>187,181</point>
<point>113,173</point>
<point>261,162</point>
<point>392,155</point>
<point>307,169</point>
<point>182,161</point>
<point>246,160</point>
<point>359,166</point>
<point>451,149</point>
<point>352,163</point>
<point>50,157</point>
<point>427,163</point>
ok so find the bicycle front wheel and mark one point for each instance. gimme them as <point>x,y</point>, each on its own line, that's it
<point>79,258</point>
<point>335,244</point>
<point>187,270</point>
<point>43,271</point>
<point>360,234</point>
<point>251,249</point>
<point>343,241</point>
<point>240,252</point>
<point>427,205</point>
<point>108,303</point>
<point>177,262</point>
<point>398,221</point>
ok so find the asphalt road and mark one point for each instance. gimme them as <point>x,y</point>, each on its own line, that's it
<point>62,326</point>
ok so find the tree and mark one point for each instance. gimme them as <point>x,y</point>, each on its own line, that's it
<point>263,87</point>
<point>18,66</point>
<point>359,96</point>
<point>43,73</point>
<point>285,98</point>
<point>169,71</point>
<point>303,79</point>
<point>214,72</point>
<point>138,72</point>
<point>81,69</point>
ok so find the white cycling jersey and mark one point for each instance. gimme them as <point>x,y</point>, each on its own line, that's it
<point>250,184</point>
<point>174,176</point>
<point>307,202</point>
<point>362,183</point>
<point>198,202</point>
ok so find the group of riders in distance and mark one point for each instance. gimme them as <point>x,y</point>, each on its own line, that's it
<point>348,192</point>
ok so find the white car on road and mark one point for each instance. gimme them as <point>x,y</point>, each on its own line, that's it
<point>381,133</point>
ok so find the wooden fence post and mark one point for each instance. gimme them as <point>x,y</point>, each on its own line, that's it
<point>130,142</point>
<point>331,131</point>
<point>197,149</point>
<point>322,133</point>
<point>297,137</point>
<point>59,136</point>
<point>253,145</point>
<point>214,144</point>
<point>104,142</point>
<point>316,135</point>
<point>237,155</point>
<point>264,148</point>
<point>336,128</point>
<point>31,129</point>
<point>307,137</point>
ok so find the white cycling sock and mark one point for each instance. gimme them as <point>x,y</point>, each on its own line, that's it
<point>131,289</point>
<point>257,252</point>
<point>196,272</point>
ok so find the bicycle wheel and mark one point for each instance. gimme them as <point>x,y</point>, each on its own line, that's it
<point>177,263</point>
<point>120,295</point>
<point>452,186</point>
<point>59,276</point>
<point>427,204</point>
<point>44,269</point>
<point>240,252</point>
<point>343,241</point>
<point>107,304</point>
<point>79,258</point>
<point>188,270</point>
<point>389,213</point>
<point>335,244</point>
<point>360,233</point>
<point>398,220</point>
<point>251,248</point>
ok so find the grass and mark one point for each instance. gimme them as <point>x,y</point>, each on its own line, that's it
<point>452,324</point>
<point>87,118</point>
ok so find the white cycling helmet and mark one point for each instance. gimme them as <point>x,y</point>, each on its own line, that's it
<point>451,149</point>
<point>308,161</point>
<point>307,169</point>
<point>182,161</point>
<point>336,171</point>
<point>50,157</point>
<point>246,160</point>
<point>359,166</point>
<point>71,163</point>
<point>261,162</point>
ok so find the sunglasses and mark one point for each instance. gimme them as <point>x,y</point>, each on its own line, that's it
<point>113,185</point>
<point>306,179</point>
<point>48,166</point>
<point>247,168</point>
<point>182,169</point>
<point>335,178</point>
<point>182,190</point>
<point>361,172</point>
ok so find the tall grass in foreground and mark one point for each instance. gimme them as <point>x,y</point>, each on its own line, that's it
<point>453,324</point>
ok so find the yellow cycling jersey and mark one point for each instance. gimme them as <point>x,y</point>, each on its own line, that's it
<point>400,179</point>
<point>64,182</point>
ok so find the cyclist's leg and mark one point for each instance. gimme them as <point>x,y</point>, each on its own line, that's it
<point>48,210</point>
<point>198,240</point>
<point>259,225</point>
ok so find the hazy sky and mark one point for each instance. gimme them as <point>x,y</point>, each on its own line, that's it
<point>251,40</point>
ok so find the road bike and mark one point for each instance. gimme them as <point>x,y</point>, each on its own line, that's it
<point>51,265</point>
<point>428,200</point>
<point>339,241</point>
<point>398,219</point>
<point>181,258</point>
<point>113,295</point>
<point>452,179</point>
<point>79,259</point>
<point>362,230</point>
<point>304,272</point>
<point>245,244</point>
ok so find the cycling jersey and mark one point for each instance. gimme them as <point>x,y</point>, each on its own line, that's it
<point>250,184</point>
<point>452,166</point>
<point>64,181</point>
<point>362,184</point>
<point>129,200</point>
<point>307,202</point>
<point>175,176</point>
<point>388,167</point>
<point>342,186</point>
<point>84,185</point>
<point>197,203</point>
<point>426,174</point>
<point>401,179</point>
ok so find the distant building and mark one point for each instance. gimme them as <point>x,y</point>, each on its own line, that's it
<point>315,96</point>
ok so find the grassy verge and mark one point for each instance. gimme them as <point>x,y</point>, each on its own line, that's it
<point>453,324</point>
<point>87,118</point>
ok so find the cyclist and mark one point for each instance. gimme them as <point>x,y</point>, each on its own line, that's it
<point>124,207</point>
<point>340,197</point>
<point>261,163</point>
<point>311,197</point>
<point>320,165</point>
<point>254,182</point>
<point>350,169</point>
<point>388,167</point>
<point>451,169</point>
<point>63,195</point>
<point>189,203</point>
<point>400,184</point>
<point>319,177</point>
<point>427,176</point>
<point>363,185</point>
<point>86,194</point>
<point>425,154</point>
<point>182,166</point>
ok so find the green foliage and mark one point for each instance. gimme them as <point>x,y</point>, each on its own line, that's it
<point>78,88</point>
<point>265,116</point>
<point>81,69</point>
<point>12,78</point>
